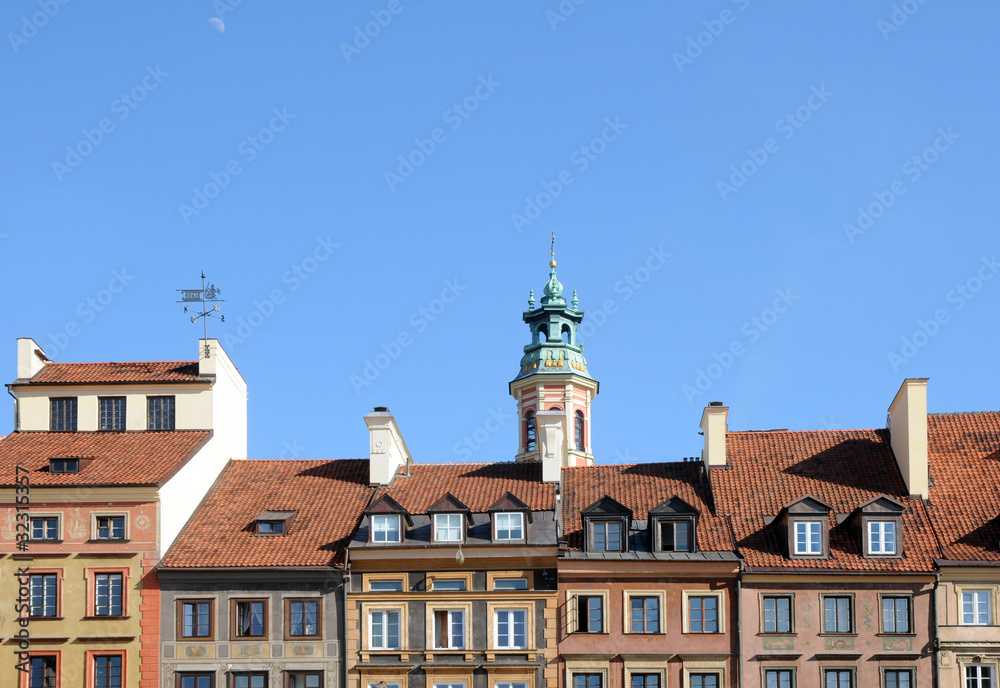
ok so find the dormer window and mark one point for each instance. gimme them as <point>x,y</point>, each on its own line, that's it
<point>273,522</point>
<point>385,528</point>
<point>606,536</point>
<point>882,537</point>
<point>510,517</point>
<point>675,536</point>
<point>809,538</point>
<point>880,526</point>
<point>448,527</point>
<point>449,519</point>
<point>385,521</point>
<point>606,526</point>
<point>805,526</point>
<point>672,526</point>
<point>64,465</point>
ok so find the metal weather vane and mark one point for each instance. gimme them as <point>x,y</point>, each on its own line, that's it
<point>206,295</point>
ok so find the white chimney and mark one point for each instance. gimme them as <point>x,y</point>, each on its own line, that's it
<point>713,427</point>
<point>30,358</point>
<point>907,425</point>
<point>551,429</point>
<point>387,451</point>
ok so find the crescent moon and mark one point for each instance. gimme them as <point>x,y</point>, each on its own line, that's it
<point>217,23</point>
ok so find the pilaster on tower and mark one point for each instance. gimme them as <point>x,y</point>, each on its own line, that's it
<point>554,376</point>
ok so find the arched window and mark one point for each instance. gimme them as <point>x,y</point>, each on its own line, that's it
<point>529,431</point>
<point>578,431</point>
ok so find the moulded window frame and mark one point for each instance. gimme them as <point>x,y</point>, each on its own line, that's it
<point>287,624</point>
<point>233,605</point>
<point>212,630</point>
<point>46,514</point>
<point>463,576</point>
<point>286,676</point>
<point>493,609</point>
<point>370,578</point>
<point>993,595</point>
<point>91,574</point>
<point>180,675</point>
<point>90,664</point>
<point>909,611</point>
<point>366,611</point>
<point>25,677</point>
<point>793,670</point>
<point>967,661</point>
<point>493,576</point>
<point>661,598</point>
<point>649,664</point>
<point>573,611</point>
<point>60,576</point>
<point>791,612</point>
<point>94,515</point>
<point>832,667</point>
<point>233,674</point>
<point>431,610</point>
<point>910,669</point>
<point>588,666</point>
<point>853,611</point>
<point>720,595</point>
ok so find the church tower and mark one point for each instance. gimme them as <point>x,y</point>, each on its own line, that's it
<point>553,378</point>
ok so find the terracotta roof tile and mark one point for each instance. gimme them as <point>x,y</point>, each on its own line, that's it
<point>642,487</point>
<point>328,496</point>
<point>476,485</point>
<point>964,454</point>
<point>119,458</point>
<point>110,372</point>
<point>843,468</point>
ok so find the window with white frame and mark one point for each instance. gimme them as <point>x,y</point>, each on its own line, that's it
<point>448,527</point>
<point>509,526</point>
<point>385,527</point>
<point>383,629</point>
<point>976,609</point>
<point>449,629</point>
<point>385,586</point>
<point>809,537</point>
<point>510,627</point>
<point>881,537</point>
<point>979,676</point>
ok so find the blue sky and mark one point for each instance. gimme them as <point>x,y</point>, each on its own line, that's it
<point>814,184</point>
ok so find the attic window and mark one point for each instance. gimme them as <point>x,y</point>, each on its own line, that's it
<point>274,522</point>
<point>675,536</point>
<point>64,465</point>
<point>809,537</point>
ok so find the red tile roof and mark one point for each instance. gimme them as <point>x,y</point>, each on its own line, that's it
<point>844,468</point>
<point>964,453</point>
<point>101,373</point>
<point>329,496</point>
<point>119,458</point>
<point>476,485</point>
<point>642,487</point>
